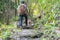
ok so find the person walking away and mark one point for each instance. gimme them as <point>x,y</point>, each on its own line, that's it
<point>23,12</point>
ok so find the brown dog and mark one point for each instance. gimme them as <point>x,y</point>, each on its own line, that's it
<point>29,21</point>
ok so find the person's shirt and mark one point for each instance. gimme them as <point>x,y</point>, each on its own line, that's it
<point>18,9</point>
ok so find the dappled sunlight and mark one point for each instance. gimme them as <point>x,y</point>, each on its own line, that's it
<point>35,13</point>
<point>33,5</point>
<point>35,9</point>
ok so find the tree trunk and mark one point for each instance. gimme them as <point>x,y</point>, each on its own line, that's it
<point>15,9</point>
<point>7,14</point>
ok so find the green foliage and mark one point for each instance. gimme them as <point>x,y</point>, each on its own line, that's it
<point>49,10</point>
<point>5,30</point>
<point>4,4</point>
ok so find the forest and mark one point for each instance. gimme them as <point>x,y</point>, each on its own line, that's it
<point>45,16</point>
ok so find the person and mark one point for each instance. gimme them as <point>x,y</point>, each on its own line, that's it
<point>23,12</point>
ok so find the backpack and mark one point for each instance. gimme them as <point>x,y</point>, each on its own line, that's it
<point>22,9</point>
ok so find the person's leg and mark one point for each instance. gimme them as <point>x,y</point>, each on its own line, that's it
<point>21,19</point>
<point>26,19</point>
